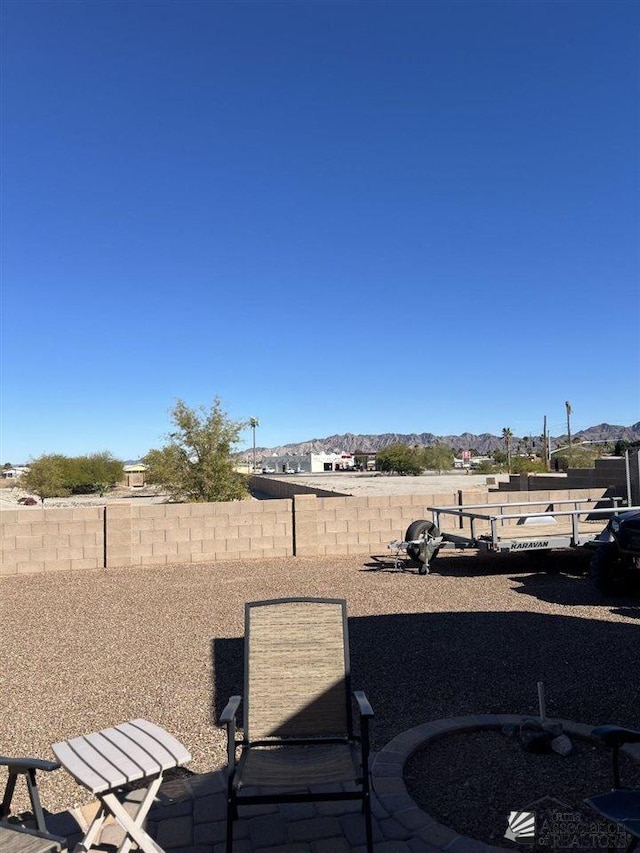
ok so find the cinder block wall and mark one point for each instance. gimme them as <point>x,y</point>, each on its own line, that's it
<point>609,472</point>
<point>38,540</point>
<point>513,503</point>
<point>195,533</point>
<point>358,525</point>
<point>277,488</point>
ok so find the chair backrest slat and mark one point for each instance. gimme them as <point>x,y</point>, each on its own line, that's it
<point>296,669</point>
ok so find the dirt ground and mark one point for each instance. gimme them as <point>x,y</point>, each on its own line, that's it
<point>85,650</point>
<point>376,483</point>
<point>357,484</point>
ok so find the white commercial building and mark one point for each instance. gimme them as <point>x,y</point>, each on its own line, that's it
<point>308,463</point>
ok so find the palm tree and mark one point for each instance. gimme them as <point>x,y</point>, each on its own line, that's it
<point>507,435</point>
<point>253,423</point>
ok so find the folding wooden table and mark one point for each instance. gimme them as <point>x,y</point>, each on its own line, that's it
<point>105,761</point>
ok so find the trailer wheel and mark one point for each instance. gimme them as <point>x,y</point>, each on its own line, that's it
<point>414,531</point>
<point>609,570</point>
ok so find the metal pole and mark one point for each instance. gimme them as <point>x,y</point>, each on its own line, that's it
<point>627,465</point>
<point>545,445</point>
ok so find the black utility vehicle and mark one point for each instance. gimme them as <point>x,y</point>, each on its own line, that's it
<point>615,565</point>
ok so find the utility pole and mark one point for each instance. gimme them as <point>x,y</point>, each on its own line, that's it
<point>545,444</point>
<point>253,423</point>
<point>569,410</point>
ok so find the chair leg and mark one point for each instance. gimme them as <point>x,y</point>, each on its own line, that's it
<point>5,808</point>
<point>367,821</point>
<point>32,785</point>
<point>231,812</point>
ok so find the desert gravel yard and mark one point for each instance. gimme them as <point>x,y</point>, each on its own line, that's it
<point>86,650</point>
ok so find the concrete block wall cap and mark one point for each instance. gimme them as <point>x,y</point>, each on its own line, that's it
<point>463,844</point>
<point>407,742</point>
<point>388,770</point>
<point>413,818</point>
<point>393,748</point>
<point>456,724</point>
<point>576,729</point>
<point>397,802</point>
<point>388,785</point>
<point>419,845</point>
<point>438,835</point>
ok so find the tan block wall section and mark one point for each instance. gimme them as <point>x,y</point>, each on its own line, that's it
<point>514,502</point>
<point>49,540</point>
<point>359,525</point>
<point>56,539</point>
<point>199,533</point>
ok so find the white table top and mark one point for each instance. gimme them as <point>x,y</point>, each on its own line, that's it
<point>113,757</point>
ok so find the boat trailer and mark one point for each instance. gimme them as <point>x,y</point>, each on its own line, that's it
<point>540,526</point>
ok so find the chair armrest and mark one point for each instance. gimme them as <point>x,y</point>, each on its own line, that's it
<point>230,711</point>
<point>364,708</point>
<point>24,764</point>
<point>616,735</point>
<point>27,768</point>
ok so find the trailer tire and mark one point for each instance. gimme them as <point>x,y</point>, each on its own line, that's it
<point>609,570</point>
<point>414,531</point>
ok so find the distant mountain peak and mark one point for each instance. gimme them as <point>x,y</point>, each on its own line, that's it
<point>483,443</point>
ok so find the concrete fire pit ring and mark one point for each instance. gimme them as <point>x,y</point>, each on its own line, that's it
<point>387,775</point>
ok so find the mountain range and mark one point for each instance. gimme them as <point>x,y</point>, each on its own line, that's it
<point>483,443</point>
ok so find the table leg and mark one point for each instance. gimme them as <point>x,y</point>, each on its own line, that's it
<point>141,812</point>
<point>92,833</point>
<point>130,826</point>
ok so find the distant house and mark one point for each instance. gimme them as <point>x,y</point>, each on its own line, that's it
<point>134,475</point>
<point>14,472</point>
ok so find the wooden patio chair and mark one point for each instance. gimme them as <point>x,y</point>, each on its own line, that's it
<point>16,837</point>
<point>298,742</point>
<point>620,806</point>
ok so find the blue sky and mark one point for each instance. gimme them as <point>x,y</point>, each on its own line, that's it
<point>337,217</point>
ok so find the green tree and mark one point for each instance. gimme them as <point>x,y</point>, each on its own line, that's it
<point>623,445</point>
<point>55,475</point>
<point>485,467</point>
<point>197,463</point>
<point>526,465</point>
<point>439,457</point>
<point>96,472</point>
<point>575,457</point>
<point>499,459</point>
<point>47,477</point>
<point>399,459</point>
